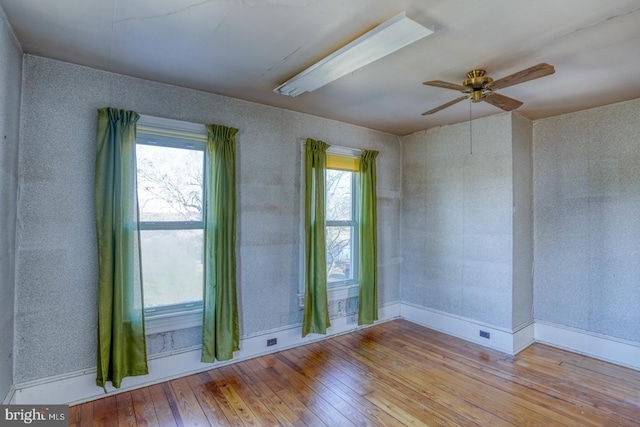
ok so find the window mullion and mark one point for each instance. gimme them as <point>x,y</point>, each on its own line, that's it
<point>171,225</point>
<point>333,223</point>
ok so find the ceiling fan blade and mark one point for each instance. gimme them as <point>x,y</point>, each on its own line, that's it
<point>445,85</point>
<point>443,106</point>
<point>525,75</point>
<point>501,101</point>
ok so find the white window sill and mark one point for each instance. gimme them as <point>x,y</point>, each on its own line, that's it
<point>173,321</point>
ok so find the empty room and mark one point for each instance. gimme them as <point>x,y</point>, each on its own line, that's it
<point>305,212</point>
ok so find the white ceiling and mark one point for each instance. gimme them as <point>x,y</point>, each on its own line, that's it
<point>245,48</point>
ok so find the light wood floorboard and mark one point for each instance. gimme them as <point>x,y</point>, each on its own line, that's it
<point>392,374</point>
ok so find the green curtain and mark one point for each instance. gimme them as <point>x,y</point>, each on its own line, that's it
<point>122,350</point>
<point>316,311</point>
<point>220,331</point>
<point>368,301</point>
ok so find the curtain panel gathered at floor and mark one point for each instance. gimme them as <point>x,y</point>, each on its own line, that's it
<point>367,300</point>
<point>121,338</point>
<point>316,310</point>
<point>220,330</point>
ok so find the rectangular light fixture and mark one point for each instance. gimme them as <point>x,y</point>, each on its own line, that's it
<point>384,39</point>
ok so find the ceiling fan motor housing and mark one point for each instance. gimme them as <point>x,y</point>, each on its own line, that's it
<point>476,84</point>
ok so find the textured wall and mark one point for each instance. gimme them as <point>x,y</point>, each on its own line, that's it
<point>457,220</point>
<point>10,83</point>
<point>57,267</point>
<point>587,220</point>
<point>522,147</point>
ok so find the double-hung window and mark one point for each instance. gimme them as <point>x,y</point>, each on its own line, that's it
<point>170,170</point>
<point>341,221</point>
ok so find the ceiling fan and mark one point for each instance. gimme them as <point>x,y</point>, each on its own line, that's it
<point>480,87</point>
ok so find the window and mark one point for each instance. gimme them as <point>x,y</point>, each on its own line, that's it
<point>341,221</point>
<point>341,227</point>
<point>170,170</point>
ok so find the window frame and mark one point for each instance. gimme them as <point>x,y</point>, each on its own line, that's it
<point>346,290</point>
<point>181,135</point>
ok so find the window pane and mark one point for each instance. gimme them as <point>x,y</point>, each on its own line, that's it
<point>338,195</point>
<point>339,253</point>
<point>169,183</point>
<point>172,268</point>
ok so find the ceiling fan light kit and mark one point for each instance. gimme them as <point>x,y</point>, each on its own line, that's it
<point>480,87</point>
<point>386,38</point>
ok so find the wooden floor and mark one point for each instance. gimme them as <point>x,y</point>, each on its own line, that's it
<point>392,374</point>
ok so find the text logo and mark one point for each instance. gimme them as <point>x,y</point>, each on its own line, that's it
<point>34,415</point>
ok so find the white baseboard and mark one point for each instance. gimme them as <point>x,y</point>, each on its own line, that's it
<point>523,337</point>
<point>80,386</point>
<point>500,339</point>
<point>9,395</point>
<point>603,347</point>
